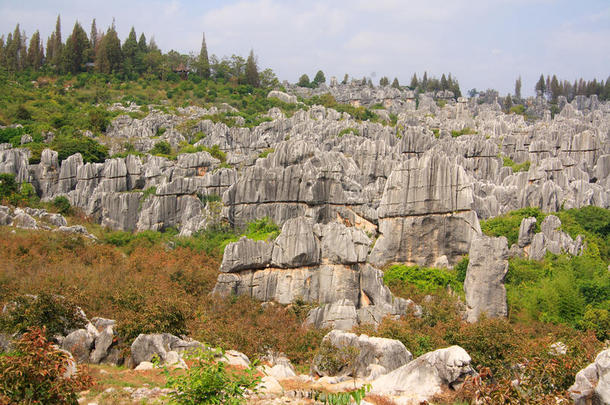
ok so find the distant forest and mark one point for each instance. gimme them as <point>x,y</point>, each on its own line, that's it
<point>102,52</point>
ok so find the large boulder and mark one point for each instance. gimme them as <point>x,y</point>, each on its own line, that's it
<point>246,254</point>
<point>592,384</point>
<point>426,376</point>
<point>146,347</point>
<point>387,353</point>
<point>484,283</point>
<point>296,246</point>
<point>79,343</point>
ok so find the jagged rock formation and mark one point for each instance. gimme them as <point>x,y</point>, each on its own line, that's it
<point>303,263</point>
<point>550,239</point>
<point>372,194</point>
<point>484,283</point>
<point>369,353</point>
<point>424,377</point>
<point>592,384</point>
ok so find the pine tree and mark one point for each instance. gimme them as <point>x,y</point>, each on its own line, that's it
<point>518,88</point>
<point>345,79</point>
<point>2,51</point>
<point>93,37</point>
<point>444,84</point>
<point>555,89</point>
<point>414,83</point>
<point>540,86</point>
<point>14,53</point>
<point>35,53</point>
<point>203,62</point>
<point>252,71</point>
<point>50,48</point>
<point>58,44</point>
<point>130,49</point>
<point>303,81</point>
<point>142,46</point>
<point>108,57</point>
<point>318,79</point>
<point>508,102</point>
<point>384,81</point>
<point>76,50</point>
<point>424,82</point>
<point>395,83</point>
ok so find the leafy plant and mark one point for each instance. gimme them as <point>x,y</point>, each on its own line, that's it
<point>425,279</point>
<point>345,131</point>
<point>62,205</point>
<point>36,372</point>
<point>508,224</point>
<point>53,312</point>
<point>210,381</point>
<point>463,131</point>
<point>517,167</point>
<point>343,398</point>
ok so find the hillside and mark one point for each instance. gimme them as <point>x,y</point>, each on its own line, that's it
<point>259,219</point>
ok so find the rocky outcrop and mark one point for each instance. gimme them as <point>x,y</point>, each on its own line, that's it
<point>592,384</point>
<point>425,212</point>
<point>426,376</point>
<point>553,240</point>
<point>365,352</point>
<point>295,267</point>
<point>165,346</point>
<point>484,283</point>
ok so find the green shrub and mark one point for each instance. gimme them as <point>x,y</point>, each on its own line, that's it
<point>62,205</point>
<point>425,279</point>
<point>463,131</point>
<point>8,185</point>
<point>56,314</point>
<point>333,360</point>
<point>344,131</point>
<point>266,153</point>
<point>521,167</point>
<point>518,109</point>
<point>161,148</point>
<point>67,145</point>
<point>34,373</point>
<point>460,269</point>
<point>210,381</point>
<point>262,229</point>
<point>508,224</point>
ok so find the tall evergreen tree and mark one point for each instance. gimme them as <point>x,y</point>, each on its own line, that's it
<point>252,71</point>
<point>395,83</point>
<point>130,49</point>
<point>384,81</point>
<point>142,46</point>
<point>414,83</point>
<point>555,89</point>
<point>444,84</point>
<point>93,37</point>
<point>2,62</point>
<point>540,86</point>
<point>424,82</point>
<point>14,52</point>
<point>518,88</point>
<point>35,52</point>
<point>203,61</point>
<point>345,79</point>
<point>319,78</point>
<point>109,57</point>
<point>76,50</point>
<point>58,44</point>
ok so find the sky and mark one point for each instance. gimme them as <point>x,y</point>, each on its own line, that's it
<point>483,43</point>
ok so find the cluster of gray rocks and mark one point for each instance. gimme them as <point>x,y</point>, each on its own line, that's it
<point>350,196</point>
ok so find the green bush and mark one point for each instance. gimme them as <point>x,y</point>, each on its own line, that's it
<point>67,145</point>
<point>345,131</point>
<point>262,229</point>
<point>210,381</point>
<point>463,131</point>
<point>425,279</point>
<point>34,373</point>
<point>161,148</point>
<point>8,185</point>
<point>522,167</point>
<point>56,314</point>
<point>62,205</point>
<point>508,224</point>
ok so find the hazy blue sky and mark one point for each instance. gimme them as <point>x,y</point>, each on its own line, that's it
<point>484,43</point>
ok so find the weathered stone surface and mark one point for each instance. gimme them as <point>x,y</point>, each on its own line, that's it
<point>246,254</point>
<point>286,98</point>
<point>388,353</point>
<point>425,376</point>
<point>145,347</point>
<point>592,384</point>
<point>527,230</point>
<point>296,246</point>
<point>484,283</point>
<point>102,344</point>
<point>342,244</point>
<point>23,220</point>
<point>79,343</point>
<point>553,240</point>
